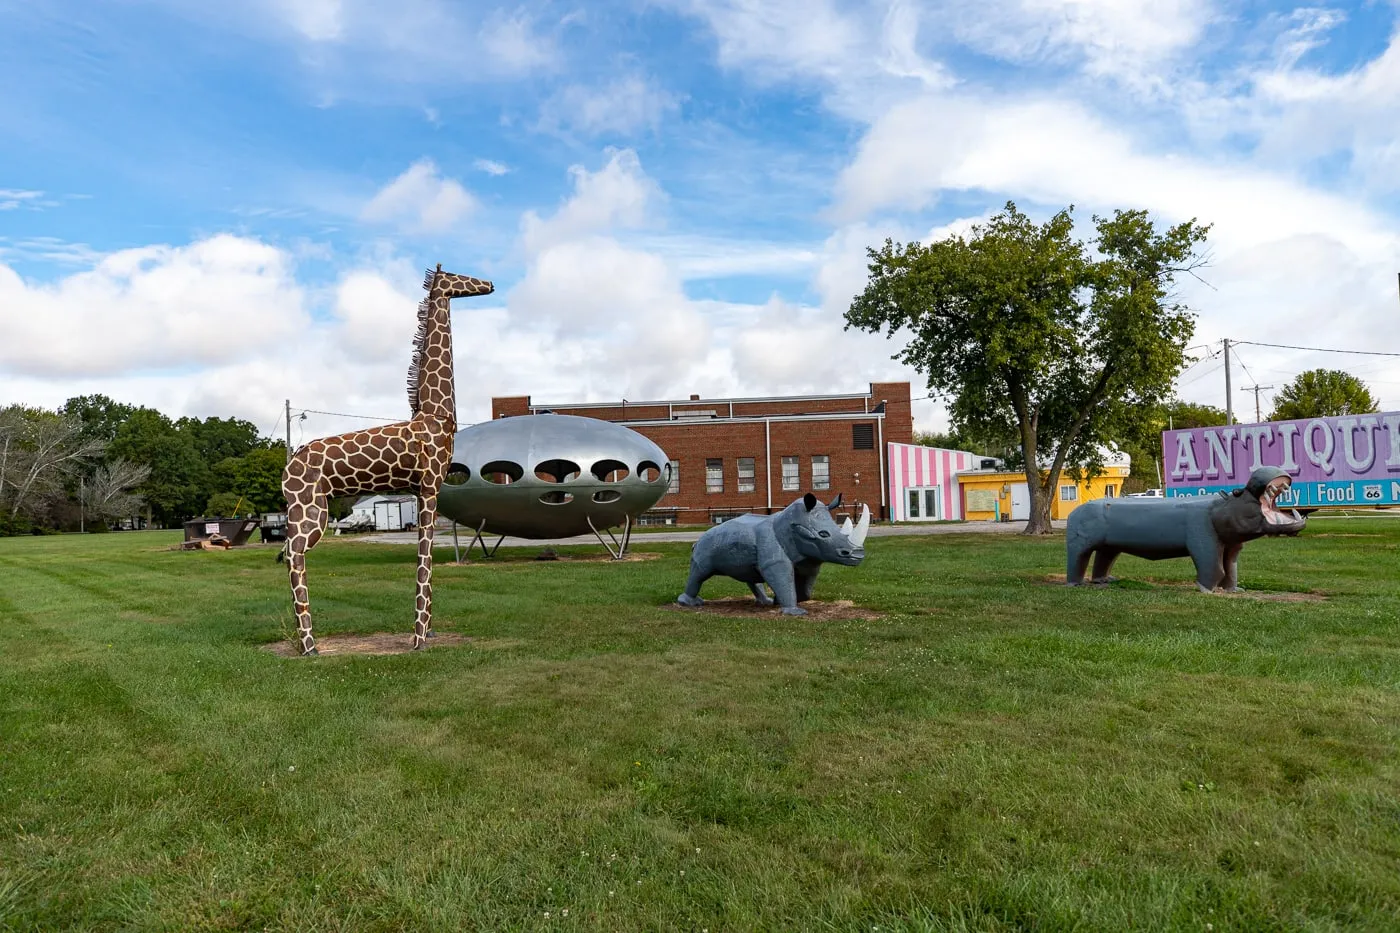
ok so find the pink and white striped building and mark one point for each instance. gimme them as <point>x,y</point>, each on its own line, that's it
<point>923,482</point>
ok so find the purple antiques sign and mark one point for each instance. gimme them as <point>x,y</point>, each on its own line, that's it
<point>1351,460</point>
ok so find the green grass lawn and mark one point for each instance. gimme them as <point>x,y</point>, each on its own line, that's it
<point>995,752</point>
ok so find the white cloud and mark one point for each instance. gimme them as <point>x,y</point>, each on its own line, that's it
<point>714,257</point>
<point>377,316</point>
<point>48,249</point>
<point>1126,39</point>
<point>491,167</point>
<point>1055,152</point>
<point>618,196</point>
<point>1308,28</point>
<point>862,55</point>
<point>157,307</point>
<point>512,42</point>
<point>774,38</point>
<point>1301,113</point>
<point>1291,263</point>
<point>317,20</point>
<point>12,198</point>
<point>621,309</point>
<point>623,107</point>
<point>421,200</point>
<point>223,327</point>
<point>360,46</point>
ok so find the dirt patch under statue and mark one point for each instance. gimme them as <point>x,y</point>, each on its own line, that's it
<point>745,606</point>
<point>379,643</point>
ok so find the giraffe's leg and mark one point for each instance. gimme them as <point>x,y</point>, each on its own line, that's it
<point>423,613</point>
<point>306,520</point>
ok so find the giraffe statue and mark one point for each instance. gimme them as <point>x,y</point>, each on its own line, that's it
<point>412,454</point>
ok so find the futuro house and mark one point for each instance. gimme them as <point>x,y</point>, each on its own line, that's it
<point>552,476</point>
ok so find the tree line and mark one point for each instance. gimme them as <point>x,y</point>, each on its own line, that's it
<point>1048,349</point>
<point>98,463</point>
<point>1316,393</point>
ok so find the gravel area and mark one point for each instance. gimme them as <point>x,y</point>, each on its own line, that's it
<point>444,537</point>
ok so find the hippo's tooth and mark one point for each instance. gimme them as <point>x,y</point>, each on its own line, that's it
<point>1296,516</point>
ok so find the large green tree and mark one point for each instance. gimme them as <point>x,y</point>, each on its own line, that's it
<point>1322,393</point>
<point>100,416</point>
<point>179,482</point>
<point>254,479</point>
<point>1020,325</point>
<point>1141,436</point>
<point>217,439</point>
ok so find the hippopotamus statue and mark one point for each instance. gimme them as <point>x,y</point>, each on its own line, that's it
<point>784,550</point>
<point>1211,530</point>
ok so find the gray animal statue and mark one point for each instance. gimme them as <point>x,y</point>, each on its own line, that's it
<point>785,551</point>
<point>1211,530</point>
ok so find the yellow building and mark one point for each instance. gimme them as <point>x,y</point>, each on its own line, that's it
<point>992,495</point>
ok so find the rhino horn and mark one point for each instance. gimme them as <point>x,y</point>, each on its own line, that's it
<point>862,527</point>
<point>846,527</point>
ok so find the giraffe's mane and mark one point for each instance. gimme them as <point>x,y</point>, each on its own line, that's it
<point>420,341</point>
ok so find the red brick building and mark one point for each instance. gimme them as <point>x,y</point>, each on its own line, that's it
<point>730,456</point>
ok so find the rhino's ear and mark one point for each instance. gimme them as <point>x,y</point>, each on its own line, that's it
<point>835,503</point>
<point>810,501</point>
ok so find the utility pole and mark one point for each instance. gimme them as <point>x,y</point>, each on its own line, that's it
<point>1256,390</point>
<point>1229,396</point>
<point>82,495</point>
<point>289,430</point>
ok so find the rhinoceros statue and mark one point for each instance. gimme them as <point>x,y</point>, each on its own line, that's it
<point>785,551</point>
<point>1211,530</point>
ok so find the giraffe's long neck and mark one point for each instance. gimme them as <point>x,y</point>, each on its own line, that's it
<point>436,393</point>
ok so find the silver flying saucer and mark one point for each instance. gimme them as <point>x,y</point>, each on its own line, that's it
<point>551,476</point>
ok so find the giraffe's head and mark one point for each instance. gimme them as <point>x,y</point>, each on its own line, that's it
<point>451,285</point>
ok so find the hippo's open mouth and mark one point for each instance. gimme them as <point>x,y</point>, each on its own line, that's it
<point>1272,515</point>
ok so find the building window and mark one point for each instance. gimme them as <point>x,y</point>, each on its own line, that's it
<point>791,480</point>
<point>1069,493</point>
<point>821,471</point>
<point>675,485</point>
<point>863,436</point>
<point>714,476</point>
<point>1110,490</point>
<point>746,474</point>
<point>913,503</point>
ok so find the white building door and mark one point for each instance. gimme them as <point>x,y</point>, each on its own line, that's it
<point>1020,502</point>
<point>921,503</point>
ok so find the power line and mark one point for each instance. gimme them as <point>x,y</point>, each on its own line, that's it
<point>1201,375</point>
<point>275,422</point>
<point>1209,356</point>
<point>1240,360</point>
<point>1284,346</point>
<point>341,414</point>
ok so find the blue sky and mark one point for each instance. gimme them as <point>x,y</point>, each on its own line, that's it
<point>211,207</point>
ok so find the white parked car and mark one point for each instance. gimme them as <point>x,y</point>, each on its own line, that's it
<point>1146,494</point>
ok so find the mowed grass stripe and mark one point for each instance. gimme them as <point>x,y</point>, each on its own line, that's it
<point>995,752</point>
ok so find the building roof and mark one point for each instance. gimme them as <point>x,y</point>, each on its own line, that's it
<point>368,502</point>
<point>697,400</point>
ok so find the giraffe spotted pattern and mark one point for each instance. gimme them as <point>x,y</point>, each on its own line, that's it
<point>411,455</point>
